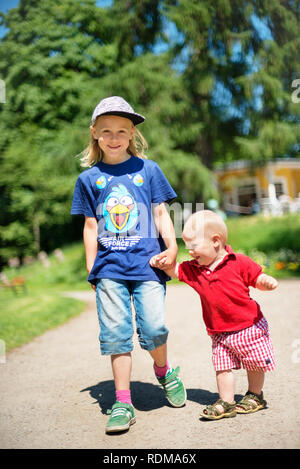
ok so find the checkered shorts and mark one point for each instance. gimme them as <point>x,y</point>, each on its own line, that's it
<point>250,348</point>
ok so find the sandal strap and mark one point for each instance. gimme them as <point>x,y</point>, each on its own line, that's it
<point>227,406</point>
<point>246,401</point>
<point>255,397</point>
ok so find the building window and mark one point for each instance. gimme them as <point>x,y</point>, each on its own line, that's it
<point>279,189</point>
<point>247,195</point>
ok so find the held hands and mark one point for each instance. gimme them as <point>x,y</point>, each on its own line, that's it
<point>266,282</point>
<point>164,260</point>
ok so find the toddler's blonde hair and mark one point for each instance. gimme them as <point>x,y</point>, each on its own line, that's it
<point>93,153</point>
<point>205,222</point>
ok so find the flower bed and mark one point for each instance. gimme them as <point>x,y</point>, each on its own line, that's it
<point>283,263</point>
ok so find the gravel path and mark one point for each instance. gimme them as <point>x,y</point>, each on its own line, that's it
<point>55,390</point>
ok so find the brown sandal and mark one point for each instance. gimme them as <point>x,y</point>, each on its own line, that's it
<point>212,413</point>
<point>247,406</point>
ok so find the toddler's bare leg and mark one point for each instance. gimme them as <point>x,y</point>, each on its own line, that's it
<point>225,382</point>
<point>255,381</point>
<point>255,385</point>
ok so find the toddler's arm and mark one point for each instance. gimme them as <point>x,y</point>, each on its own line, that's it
<point>266,282</point>
<point>158,262</point>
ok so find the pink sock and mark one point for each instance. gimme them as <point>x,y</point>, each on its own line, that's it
<point>161,371</point>
<point>124,395</point>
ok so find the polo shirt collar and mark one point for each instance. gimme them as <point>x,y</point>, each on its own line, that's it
<point>230,251</point>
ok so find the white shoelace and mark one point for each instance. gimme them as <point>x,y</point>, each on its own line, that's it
<point>120,411</point>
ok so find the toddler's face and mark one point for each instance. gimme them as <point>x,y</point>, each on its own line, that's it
<point>201,248</point>
<point>113,134</point>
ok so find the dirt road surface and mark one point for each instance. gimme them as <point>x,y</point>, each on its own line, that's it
<point>55,390</point>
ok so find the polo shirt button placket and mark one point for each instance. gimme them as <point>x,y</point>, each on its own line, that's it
<point>209,276</point>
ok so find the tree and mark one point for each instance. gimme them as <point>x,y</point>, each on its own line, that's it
<point>50,58</point>
<point>238,82</point>
<point>49,53</point>
<point>222,91</point>
<point>135,26</point>
<point>58,59</point>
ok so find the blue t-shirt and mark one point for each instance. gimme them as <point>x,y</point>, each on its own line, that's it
<point>121,198</point>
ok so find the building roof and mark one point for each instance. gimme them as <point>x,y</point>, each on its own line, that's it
<point>244,164</point>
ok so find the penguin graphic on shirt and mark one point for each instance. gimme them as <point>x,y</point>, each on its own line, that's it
<point>120,210</point>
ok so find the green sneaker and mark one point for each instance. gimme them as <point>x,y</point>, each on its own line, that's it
<point>121,417</point>
<point>173,388</point>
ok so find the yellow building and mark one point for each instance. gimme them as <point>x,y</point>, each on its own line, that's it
<point>243,185</point>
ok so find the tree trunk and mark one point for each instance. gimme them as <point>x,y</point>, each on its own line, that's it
<point>36,233</point>
<point>204,149</point>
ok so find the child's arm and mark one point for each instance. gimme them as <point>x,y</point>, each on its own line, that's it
<point>159,264</point>
<point>165,227</point>
<point>90,242</point>
<point>266,282</point>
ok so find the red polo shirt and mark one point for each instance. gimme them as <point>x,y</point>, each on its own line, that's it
<point>224,292</point>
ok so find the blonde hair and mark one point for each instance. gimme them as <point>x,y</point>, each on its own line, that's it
<point>93,153</point>
<point>205,222</point>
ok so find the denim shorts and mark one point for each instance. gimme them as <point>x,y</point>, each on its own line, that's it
<point>113,297</point>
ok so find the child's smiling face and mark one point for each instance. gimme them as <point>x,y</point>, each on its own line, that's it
<point>201,248</point>
<point>205,236</point>
<point>113,134</point>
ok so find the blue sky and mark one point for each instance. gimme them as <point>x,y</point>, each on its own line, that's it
<point>7,4</point>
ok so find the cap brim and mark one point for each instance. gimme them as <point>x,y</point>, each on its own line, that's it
<point>135,118</point>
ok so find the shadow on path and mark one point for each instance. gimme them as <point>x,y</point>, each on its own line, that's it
<point>145,396</point>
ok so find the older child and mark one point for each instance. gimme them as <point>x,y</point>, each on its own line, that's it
<point>122,197</point>
<point>238,329</point>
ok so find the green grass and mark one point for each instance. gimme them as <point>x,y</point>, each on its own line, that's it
<point>273,243</point>
<point>29,315</point>
<point>264,234</point>
<point>42,307</point>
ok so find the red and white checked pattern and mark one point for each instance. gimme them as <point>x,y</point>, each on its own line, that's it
<point>250,348</point>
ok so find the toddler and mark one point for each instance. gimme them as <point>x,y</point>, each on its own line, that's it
<point>234,321</point>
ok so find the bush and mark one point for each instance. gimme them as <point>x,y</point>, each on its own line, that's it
<point>268,235</point>
<point>283,263</point>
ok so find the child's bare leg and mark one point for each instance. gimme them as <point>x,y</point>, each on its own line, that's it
<point>159,355</point>
<point>255,381</point>
<point>225,382</point>
<point>255,385</point>
<point>121,366</point>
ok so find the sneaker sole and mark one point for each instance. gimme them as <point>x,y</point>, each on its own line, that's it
<point>120,428</point>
